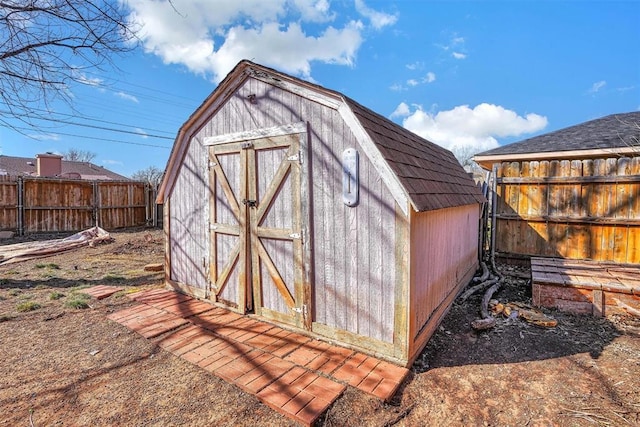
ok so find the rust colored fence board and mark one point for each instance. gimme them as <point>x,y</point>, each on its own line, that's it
<point>8,203</point>
<point>34,205</point>
<point>578,209</point>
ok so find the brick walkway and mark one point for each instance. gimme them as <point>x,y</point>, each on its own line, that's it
<point>296,375</point>
<point>101,291</point>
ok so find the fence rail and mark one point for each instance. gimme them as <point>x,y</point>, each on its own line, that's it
<point>36,205</point>
<point>580,209</point>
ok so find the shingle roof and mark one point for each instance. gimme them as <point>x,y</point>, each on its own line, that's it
<point>26,166</point>
<point>613,131</point>
<point>431,175</point>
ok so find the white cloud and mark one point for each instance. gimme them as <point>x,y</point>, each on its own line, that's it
<point>378,19</point>
<point>430,77</point>
<point>454,44</point>
<point>142,133</point>
<point>44,136</point>
<point>402,110</point>
<point>418,65</point>
<point>209,37</point>
<point>89,81</point>
<point>413,82</point>
<point>625,89</point>
<point>463,126</point>
<point>127,97</point>
<point>397,87</point>
<point>597,86</point>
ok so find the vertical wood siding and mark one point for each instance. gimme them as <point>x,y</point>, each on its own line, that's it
<point>280,216</point>
<point>444,245</point>
<point>230,164</point>
<point>353,248</point>
<point>189,224</point>
<point>578,209</point>
<point>8,203</point>
<point>121,204</point>
<point>61,205</point>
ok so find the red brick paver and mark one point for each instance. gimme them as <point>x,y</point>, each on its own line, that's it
<point>297,376</point>
<point>102,291</point>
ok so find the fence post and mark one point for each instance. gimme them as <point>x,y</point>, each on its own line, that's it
<point>96,203</point>
<point>494,202</point>
<point>20,190</point>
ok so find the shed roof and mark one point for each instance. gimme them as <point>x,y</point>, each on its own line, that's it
<point>612,134</point>
<point>429,176</point>
<point>26,166</point>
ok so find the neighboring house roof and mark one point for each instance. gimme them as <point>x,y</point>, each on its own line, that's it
<point>429,176</point>
<point>616,134</point>
<point>26,166</point>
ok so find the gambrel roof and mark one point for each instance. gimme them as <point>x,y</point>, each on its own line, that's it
<point>616,134</point>
<point>416,171</point>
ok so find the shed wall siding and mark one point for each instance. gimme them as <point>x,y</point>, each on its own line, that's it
<point>445,248</point>
<point>353,248</point>
<point>188,228</point>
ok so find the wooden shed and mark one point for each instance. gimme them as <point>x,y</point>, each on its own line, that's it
<point>291,202</point>
<point>573,193</point>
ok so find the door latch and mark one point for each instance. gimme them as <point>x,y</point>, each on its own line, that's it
<point>250,203</point>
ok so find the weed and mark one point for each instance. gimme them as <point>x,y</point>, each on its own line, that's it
<point>5,318</point>
<point>28,306</point>
<point>50,265</point>
<point>55,295</point>
<point>15,292</point>
<point>40,287</point>
<point>76,304</point>
<point>78,288</point>
<point>26,296</point>
<point>78,301</point>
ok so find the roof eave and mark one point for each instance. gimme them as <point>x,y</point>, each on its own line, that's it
<point>487,161</point>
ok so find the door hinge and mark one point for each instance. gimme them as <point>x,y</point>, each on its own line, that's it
<point>250,203</point>
<point>246,145</point>
<point>295,235</point>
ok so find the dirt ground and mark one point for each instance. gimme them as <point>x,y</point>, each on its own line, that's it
<point>67,366</point>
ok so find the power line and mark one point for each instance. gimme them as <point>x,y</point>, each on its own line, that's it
<point>49,119</point>
<point>93,119</point>
<point>96,138</point>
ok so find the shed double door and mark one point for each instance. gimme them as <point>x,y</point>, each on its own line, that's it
<point>256,228</point>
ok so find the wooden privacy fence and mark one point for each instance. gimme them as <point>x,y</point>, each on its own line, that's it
<point>33,205</point>
<point>578,209</point>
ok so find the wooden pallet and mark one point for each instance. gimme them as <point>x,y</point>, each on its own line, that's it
<point>586,287</point>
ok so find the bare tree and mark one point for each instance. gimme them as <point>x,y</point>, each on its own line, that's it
<point>464,154</point>
<point>151,175</point>
<point>75,155</point>
<point>47,44</point>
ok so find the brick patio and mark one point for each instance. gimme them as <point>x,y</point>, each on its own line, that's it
<point>295,375</point>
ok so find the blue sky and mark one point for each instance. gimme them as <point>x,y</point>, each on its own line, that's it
<point>466,75</point>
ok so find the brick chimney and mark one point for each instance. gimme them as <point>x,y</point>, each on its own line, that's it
<point>48,164</point>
